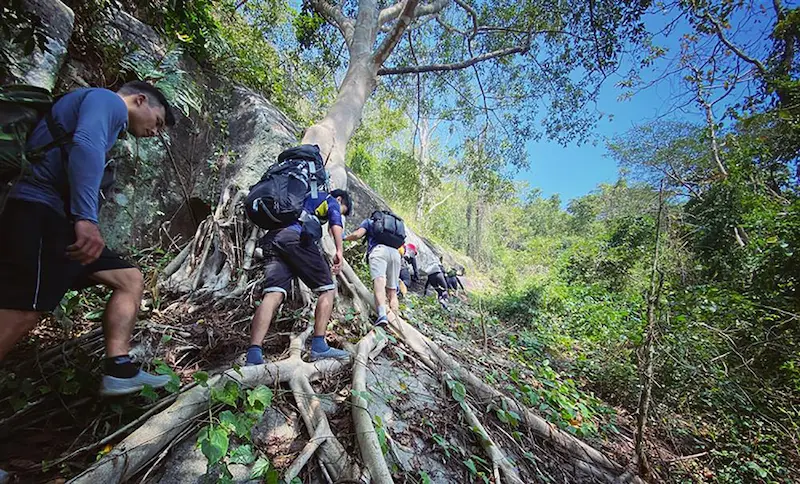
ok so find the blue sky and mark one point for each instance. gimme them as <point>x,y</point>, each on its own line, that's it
<point>573,171</point>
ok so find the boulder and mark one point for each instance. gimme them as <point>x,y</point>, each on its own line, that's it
<point>41,67</point>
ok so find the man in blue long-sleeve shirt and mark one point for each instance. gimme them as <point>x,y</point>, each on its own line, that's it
<point>49,237</point>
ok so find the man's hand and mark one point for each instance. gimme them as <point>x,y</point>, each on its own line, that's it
<point>88,243</point>
<point>338,258</point>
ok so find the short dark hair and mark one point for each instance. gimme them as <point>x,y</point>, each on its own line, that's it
<point>345,198</point>
<point>153,93</point>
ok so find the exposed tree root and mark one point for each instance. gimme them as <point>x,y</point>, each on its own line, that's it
<point>207,265</point>
<point>332,453</point>
<point>499,460</point>
<point>205,268</point>
<point>322,433</point>
<point>430,353</point>
<point>371,452</point>
<point>129,456</point>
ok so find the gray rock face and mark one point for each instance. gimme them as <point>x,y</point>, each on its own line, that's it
<point>259,132</point>
<point>164,189</point>
<point>41,68</point>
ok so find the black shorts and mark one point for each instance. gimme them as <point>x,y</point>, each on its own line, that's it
<point>34,269</point>
<point>287,255</point>
<point>438,282</point>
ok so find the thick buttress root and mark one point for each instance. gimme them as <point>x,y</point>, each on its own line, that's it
<point>371,452</point>
<point>207,266</point>
<point>499,460</point>
<point>129,456</point>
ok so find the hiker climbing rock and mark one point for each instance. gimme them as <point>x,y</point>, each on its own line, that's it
<point>410,256</point>
<point>436,279</point>
<point>405,275</point>
<point>290,202</point>
<point>49,235</point>
<point>385,234</point>
<point>453,282</point>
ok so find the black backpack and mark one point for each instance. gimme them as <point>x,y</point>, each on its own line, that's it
<point>388,229</point>
<point>277,199</point>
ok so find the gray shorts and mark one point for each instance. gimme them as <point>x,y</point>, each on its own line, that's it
<point>384,261</point>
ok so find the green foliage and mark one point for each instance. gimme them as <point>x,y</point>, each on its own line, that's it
<point>228,395</point>
<point>259,399</point>
<point>243,455</point>
<point>457,390</point>
<point>192,22</point>
<point>380,432</point>
<point>166,74</point>
<point>174,380</point>
<point>201,377</point>
<point>227,438</point>
<point>263,469</point>
<point>213,442</point>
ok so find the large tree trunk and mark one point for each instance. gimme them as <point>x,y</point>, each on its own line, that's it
<point>334,130</point>
<point>337,127</point>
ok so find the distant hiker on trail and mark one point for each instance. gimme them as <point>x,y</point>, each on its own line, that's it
<point>385,234</point>
<point>291,249</point>
<point>49,235</point>
<point>405,275</point>
<point>410,256</point>
<point>436,279</point>
<point>453,282</point>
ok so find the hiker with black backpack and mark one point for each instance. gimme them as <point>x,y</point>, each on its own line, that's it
<point>291,203</point>
<point>49,235</point>
<point>437,280</point>
<point>453,282</point>
<point>385,234</point>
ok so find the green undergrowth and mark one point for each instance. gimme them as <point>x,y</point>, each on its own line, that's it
<point>534,379</point>
<point>577,339</point>
<point>227,438</point>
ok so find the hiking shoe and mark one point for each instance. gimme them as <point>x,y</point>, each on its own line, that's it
<point>334,353</point>
<point>381,322</point>
<point>113,386</point>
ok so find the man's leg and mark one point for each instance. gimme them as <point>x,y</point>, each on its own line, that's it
<point>127,286</point>
<point>122,376</point>
<point>14,325</point>
<point>393,280</point>
<point>322,313</point>
<point>277,280</point>
<point>33,238</point>
<point>394,304</point>
<point>378,265</point>
<point>379,285</point>
<point>306,262</point>
<point>263,317</point>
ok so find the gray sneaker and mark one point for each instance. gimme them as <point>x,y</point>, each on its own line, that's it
<point>113,386</point>
<point>333,353</point>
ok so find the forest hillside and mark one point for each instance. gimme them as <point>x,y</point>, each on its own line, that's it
<point>647,331</point>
